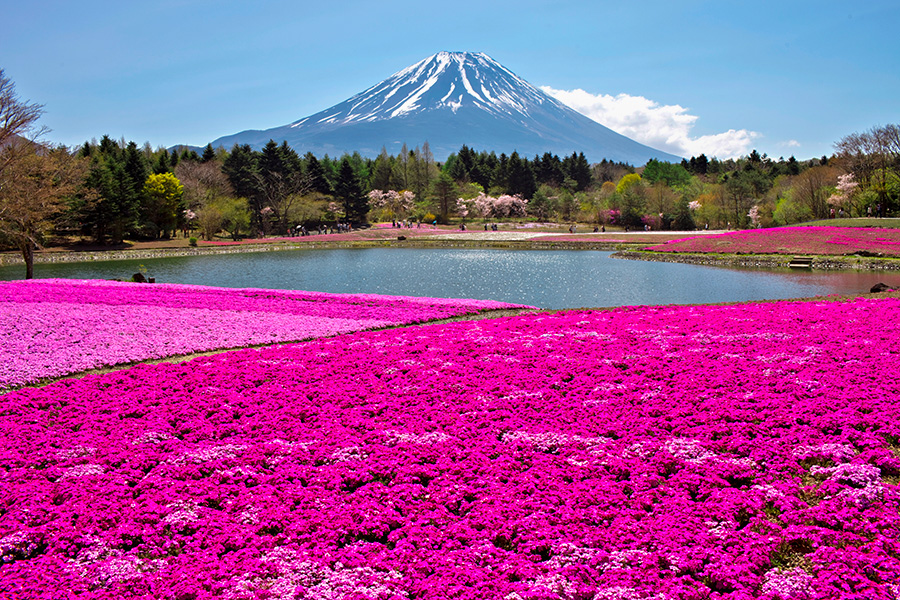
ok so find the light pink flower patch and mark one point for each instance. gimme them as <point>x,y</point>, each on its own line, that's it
<point>654,452</point>
<point>51,328</point>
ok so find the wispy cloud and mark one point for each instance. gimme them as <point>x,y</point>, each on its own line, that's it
<point>665,127</point>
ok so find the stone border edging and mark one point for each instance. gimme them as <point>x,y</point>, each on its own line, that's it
<point>7,259</point>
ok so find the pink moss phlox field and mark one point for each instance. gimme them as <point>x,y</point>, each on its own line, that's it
<point>718,452</point>
<point>793,240</point>
<point>54,327</point>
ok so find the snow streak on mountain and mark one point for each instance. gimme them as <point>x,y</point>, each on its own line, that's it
<point>451,99</point>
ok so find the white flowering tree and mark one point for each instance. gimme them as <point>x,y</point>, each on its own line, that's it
<point>484,206</point>
<point>845,194</point>
<point>393,204</point>
<point>754,215</point>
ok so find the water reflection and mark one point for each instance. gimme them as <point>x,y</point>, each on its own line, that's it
<point>549,279</point>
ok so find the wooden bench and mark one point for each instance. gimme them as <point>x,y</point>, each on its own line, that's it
<point>801,262</point>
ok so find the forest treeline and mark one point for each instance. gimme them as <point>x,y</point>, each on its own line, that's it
<point>275,190</point>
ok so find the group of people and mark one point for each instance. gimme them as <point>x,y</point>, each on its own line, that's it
<point>302,231</point>
<point>407,224</point>
<point>870,212</point>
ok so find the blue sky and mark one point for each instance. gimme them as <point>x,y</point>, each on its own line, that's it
<point>788,77</point>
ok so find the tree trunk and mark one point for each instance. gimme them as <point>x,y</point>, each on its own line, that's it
<point>28,255</point>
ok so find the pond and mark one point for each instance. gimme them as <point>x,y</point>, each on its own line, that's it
<point>547,279</point>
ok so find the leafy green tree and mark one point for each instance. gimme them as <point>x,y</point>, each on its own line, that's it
<point>672,175</point>
<point>542,204</point>
<point>684,218</point>
<point>210,220</point>
<point>630,195</point>
<point>567,205</point>
<point>741,195</point>
<point>813,187</point>
<point>162,203</point>
<point>235,215</point>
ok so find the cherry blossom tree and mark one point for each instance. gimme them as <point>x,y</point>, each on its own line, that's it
<point>754,215</point>
<point>846,190</point>
<point>393,203</point>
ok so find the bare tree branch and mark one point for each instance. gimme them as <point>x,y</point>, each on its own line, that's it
<point>17,117</point>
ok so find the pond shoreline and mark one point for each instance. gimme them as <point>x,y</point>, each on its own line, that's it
<point>10,258</point>
<point>765,261</point>
<point>620,249</point>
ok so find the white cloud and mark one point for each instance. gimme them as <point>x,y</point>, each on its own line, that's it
<point>664,127</point>
<point>790,144</point>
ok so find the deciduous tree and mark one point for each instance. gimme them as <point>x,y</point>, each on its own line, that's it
<point>35,183</point>
<point>162,202</point>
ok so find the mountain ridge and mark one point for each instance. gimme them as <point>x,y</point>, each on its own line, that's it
<point>451,99</point>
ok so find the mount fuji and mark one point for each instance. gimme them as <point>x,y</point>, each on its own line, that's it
<point>451,99</point>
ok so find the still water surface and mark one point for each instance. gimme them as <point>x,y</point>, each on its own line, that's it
<point>547,279</point>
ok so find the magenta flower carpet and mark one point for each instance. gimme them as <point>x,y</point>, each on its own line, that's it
<point>713,452</point>
<point>793,240</point>
<point>56,327</point>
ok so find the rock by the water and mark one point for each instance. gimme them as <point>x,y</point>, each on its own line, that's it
<point>880,287</point>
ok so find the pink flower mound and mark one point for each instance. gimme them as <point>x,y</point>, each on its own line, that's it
<point>678,452</point>
<point>792,240</point>
<point>51,328</point>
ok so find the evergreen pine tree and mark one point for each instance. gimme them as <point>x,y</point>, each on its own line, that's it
<point>521,177</point>
<point>445,193</point>
<point>349,191</point>
<point>316,174</point>
<point>382,171</point>
<point>162,163</point>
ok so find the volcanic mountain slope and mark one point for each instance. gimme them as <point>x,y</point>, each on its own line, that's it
<point>451,99</point>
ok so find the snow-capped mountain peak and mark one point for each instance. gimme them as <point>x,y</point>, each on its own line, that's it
<point>452,99</point>
<point>444,81</point>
